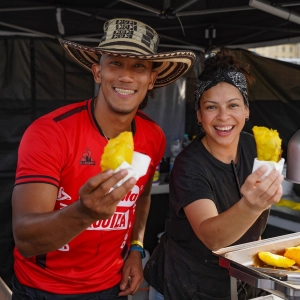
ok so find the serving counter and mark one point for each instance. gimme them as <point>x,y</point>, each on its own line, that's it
<point>241,263</point>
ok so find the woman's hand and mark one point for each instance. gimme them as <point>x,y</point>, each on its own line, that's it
<point>261,194</point>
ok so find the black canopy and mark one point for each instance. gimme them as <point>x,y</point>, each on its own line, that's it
<point>194,24</point>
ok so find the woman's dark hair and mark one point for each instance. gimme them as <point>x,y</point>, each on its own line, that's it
<point>223,66</point>
<point>217,62</point>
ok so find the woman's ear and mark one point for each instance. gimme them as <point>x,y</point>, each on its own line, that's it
<point>96,70</point>
<point>199,118</point>
<point>247,114</point>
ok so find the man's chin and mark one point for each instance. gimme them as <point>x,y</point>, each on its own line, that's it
<point>124,110</point>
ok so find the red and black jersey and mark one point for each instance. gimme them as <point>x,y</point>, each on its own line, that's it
<point>64,148</point>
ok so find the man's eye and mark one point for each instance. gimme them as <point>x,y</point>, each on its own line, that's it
<point>116,63</point>
<point>139,66</point>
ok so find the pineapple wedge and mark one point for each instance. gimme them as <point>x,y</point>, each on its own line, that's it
<point>293,253</point>
<point>117,151</point>
<point>276,260</point>
<point>268,144</point>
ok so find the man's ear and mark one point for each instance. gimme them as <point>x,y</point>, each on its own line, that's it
<point>153,77</point>
<point>96,70</point>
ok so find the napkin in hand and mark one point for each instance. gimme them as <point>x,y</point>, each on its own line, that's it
<point>270,164</point>
<point>138,167</point>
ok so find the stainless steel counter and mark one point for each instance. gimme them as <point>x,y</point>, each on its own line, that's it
<point>239,261</point>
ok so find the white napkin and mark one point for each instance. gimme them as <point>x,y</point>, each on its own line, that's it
<point>270,164</point>
<point>138,168</point>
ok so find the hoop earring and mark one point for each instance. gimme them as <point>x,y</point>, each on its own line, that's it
<point>199,123</point>
<point>247,119</point>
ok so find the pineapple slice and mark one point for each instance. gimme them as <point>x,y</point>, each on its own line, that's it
<point>276,260</point>
<point>117,151</point>
<point>293,253</point>
<point>268,144</point>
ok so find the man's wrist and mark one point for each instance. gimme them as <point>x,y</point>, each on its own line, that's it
<point>139,249</point>
<point>137,242</point>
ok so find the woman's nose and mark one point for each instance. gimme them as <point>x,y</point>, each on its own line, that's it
<point>223,115</point>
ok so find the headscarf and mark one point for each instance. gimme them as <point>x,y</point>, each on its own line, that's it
<point>233,77</point>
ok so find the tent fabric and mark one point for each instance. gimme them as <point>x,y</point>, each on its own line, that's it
<point>36,77</point>
<point>275,80</point>
<point>167,109</point>
<point>275,97</point>
<point>182,24</point>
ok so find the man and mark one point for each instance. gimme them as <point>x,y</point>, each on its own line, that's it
<point>76,236</point>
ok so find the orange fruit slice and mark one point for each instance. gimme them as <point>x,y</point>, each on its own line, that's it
<point>276,260</point>
<point>293,253</point>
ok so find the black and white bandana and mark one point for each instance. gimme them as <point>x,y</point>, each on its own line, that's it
<point>234,78</point>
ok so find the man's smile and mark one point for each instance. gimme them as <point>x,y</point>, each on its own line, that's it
<point>124,91</point>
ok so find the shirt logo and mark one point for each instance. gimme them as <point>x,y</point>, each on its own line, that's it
<point>66,247</point>
<point>119,221</point>
<point>86,158</point>
<point>62,195</point>
<point>130,199</point>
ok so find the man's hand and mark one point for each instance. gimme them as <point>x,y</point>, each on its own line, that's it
<point>97,201</point>
<point>132,274</point>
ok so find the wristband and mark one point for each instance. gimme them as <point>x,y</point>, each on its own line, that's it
<point>138,243</point>
<point>138,248</point>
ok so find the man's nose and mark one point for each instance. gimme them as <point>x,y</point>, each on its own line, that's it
<point>125,75</point>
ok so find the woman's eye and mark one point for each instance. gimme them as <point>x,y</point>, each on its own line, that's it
<point>210,107</point>
<point>234,105</point>
<point>115,63</point>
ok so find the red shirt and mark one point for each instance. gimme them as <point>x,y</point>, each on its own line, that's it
<point>64,148</point>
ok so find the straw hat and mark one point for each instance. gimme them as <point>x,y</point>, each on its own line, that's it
<point>133,39</point>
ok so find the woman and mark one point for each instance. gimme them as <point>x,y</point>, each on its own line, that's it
<point>215,199</point>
